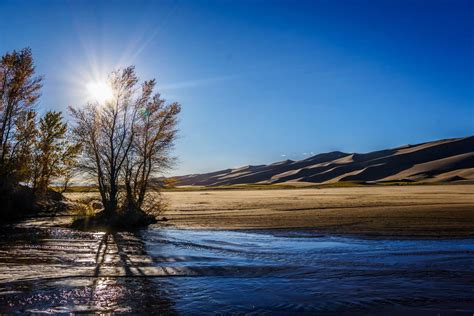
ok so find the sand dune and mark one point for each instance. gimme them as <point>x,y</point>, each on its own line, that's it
<point>449,160</point>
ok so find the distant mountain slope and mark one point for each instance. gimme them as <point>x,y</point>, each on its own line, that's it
<point>437,161</point>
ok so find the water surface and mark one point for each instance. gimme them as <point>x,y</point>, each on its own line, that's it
<point>58,270</point>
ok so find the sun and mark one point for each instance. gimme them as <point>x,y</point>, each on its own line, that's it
<point>99,91</point>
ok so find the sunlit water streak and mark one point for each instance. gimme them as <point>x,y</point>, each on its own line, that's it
<point>57,270</point>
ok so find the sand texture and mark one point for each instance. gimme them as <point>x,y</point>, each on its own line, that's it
<point>425,211</point>
<point>450,160</point>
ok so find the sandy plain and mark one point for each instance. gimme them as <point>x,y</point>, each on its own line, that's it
<point>403,211</point>
<point>422,210</point>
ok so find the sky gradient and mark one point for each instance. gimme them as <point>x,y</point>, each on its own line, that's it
<point>261,81</point>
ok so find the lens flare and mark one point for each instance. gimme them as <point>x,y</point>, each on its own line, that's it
<point>99,91</point>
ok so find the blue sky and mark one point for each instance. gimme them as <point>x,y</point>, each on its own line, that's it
<point>262,81</point>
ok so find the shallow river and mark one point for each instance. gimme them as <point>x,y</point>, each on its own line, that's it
<point>57,270</point>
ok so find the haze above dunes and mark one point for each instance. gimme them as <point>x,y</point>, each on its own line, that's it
<point>449,160</point>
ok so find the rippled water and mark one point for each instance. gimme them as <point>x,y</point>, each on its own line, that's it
<point>57,270</point>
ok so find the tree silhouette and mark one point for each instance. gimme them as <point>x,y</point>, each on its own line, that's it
<point>19,90</point>
<point>32,153</point>
<point>125,141</point>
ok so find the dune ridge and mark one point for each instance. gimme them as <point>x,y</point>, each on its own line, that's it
<point>447,160</point>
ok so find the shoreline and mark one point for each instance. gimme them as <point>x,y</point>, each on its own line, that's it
<point>305,232</point>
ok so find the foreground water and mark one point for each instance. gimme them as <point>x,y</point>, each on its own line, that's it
<point>168,271</point>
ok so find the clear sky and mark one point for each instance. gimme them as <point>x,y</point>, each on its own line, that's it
<point>262,81</point>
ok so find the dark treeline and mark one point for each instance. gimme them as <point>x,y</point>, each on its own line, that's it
<point>121,144</point>
<point>34,151</point>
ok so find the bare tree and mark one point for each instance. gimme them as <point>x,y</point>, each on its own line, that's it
<point>68,168</point>
<point>123,139</point>
<point>155,133</point>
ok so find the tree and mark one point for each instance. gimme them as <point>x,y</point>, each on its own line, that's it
<point>126,140</point>
<point>68,166</point>
<point>155,133</point>
<point>106,133</point>
<point>25,139</point>
<point>19,90</point>
<point>32,153</point>
<point>54,153</point>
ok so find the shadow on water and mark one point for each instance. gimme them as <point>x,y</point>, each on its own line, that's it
<point>120,260</point>
<point>169,271</point>
<point>56,270</point>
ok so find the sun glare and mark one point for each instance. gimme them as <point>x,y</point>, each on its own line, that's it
<point>99,91</point>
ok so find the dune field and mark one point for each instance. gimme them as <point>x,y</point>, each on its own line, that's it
<point>441,161</point>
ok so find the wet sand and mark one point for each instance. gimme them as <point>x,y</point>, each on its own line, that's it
<point>404,211</point>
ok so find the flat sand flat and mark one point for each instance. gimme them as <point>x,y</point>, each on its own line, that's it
<point>423,211</point>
